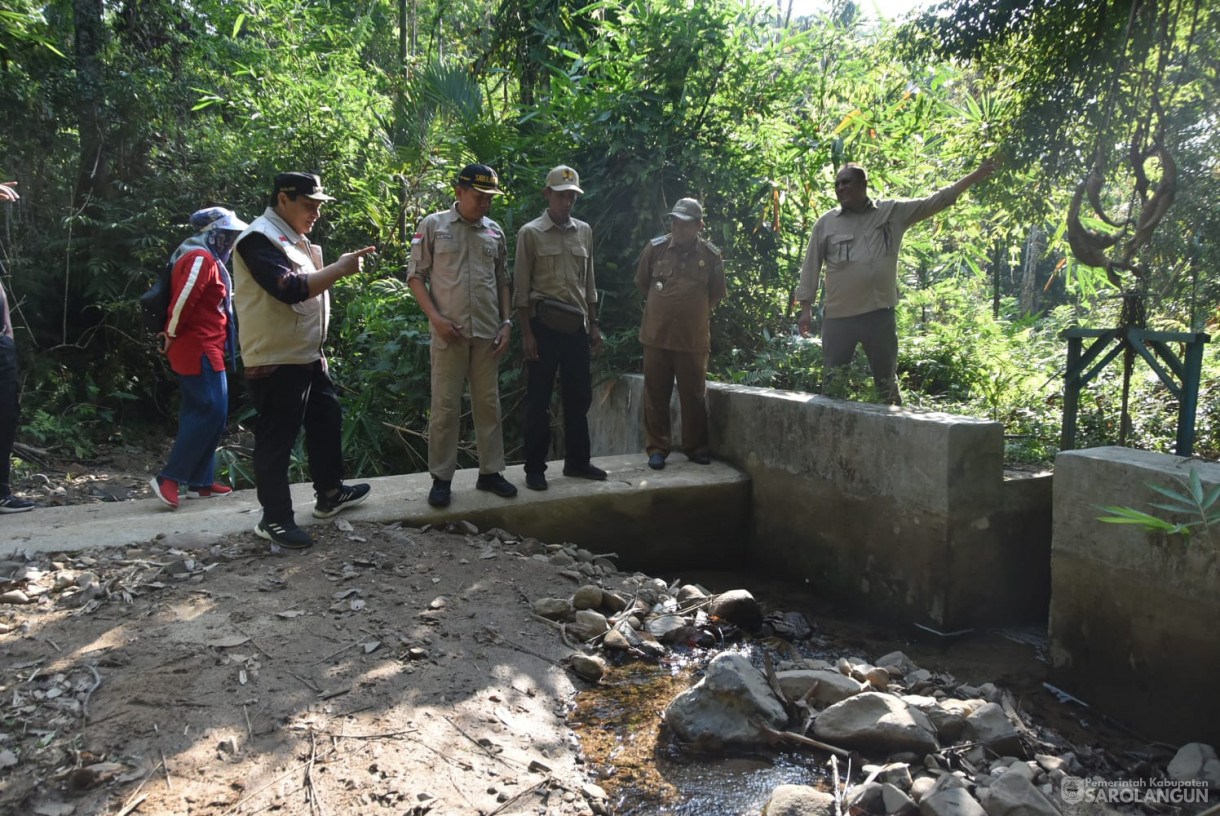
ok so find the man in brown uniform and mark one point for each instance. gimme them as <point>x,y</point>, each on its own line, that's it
<point>555,295</point>
<point>682,276</point>
<point>458,274</point>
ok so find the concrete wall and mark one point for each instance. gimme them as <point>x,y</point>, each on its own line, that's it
<point>1134,616</point>
<point>900,514</point>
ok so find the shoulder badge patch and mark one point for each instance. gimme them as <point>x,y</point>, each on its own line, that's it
<point>660,239</point>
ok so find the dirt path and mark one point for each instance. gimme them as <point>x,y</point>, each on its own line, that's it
<point>384,670</point>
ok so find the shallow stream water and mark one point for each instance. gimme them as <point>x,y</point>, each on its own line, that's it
<point>633,757</point>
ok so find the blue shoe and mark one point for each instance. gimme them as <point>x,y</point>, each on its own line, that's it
<point>13,504</point>
<point>440,493</point>
<point>344,497</point>
<point>657,461</point>
<point>287,535</point>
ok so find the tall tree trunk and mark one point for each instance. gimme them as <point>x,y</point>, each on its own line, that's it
<point>90,35</point>
<point>1029,277</point>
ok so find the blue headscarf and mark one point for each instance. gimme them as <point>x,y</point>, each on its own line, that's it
<point>218,230</point>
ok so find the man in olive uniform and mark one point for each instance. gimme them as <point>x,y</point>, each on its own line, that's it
<point>555,295</point>
<point>682,276</point>
<point>858,244</point>
<point>458,273</point>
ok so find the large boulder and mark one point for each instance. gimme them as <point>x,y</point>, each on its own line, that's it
<point>896,801</point>
<point>948,716</point>
<point>728,706</point>
<point>990,726</point>
<point>1196,761</point>
<point>587,624</point>
<point>832,687</point>
<point>799,800</point>
<point>1014,795</point>
<point>951,802</point>
<point>737,606</point>
<point>877,722</point>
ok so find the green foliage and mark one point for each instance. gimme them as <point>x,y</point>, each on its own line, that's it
<point>1192,502</point>
<point>651,100</point>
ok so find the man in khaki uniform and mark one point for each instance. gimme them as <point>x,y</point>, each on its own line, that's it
<point>458,274</point>
<point>682,276</point>
<point>858,243</point>
<point>555,295</point>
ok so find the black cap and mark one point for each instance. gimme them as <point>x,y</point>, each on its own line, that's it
<point>305,184</point>
<point>480,177</point>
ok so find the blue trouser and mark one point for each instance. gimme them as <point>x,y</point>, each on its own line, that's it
<point>201,420</point>
<point>9,412</point>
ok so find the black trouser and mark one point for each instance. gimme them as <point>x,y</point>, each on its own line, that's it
<point>877,332</point>
<point>9,411</point>
<point>291,397</point>
<point>567,354</point>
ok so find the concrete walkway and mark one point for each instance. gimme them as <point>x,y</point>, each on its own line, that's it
<point>633,502</point>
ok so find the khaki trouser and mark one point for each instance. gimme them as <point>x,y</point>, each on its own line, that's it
<point>451,368</point>
<point>661,368</point>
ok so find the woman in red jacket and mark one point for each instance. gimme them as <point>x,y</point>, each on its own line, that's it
<point>199,335</point>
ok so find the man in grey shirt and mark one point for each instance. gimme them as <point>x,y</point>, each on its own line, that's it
<point>858,244</point>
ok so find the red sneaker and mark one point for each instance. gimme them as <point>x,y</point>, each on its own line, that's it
<point>166,490</point>
<point>216,489</point>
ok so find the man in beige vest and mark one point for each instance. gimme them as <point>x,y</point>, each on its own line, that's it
<point>458,274</point>
<point>281,297</point>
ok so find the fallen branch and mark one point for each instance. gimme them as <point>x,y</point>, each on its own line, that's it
<point>483,747</point>
<point>335,653</point>
<point>97,681</point>
<point>130,808</point>
<point>803,740</point>
<point>520,796</point>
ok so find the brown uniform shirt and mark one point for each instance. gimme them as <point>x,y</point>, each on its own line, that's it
<point>464,265</point>
<point>554,262</point>
<point>682,286</point>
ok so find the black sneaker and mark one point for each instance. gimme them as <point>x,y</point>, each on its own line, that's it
<point>14,504</point>
<point>536,481</point>
<point>700,458</point>
<point>496,483</point>
<point>588,471</point>
<point>289,535</point>
<point>439,495</point>
<point>346,496</point>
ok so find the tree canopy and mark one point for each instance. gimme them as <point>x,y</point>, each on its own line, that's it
<point>122,118</point>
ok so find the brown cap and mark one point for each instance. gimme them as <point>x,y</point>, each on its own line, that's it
<point>688,209</point>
